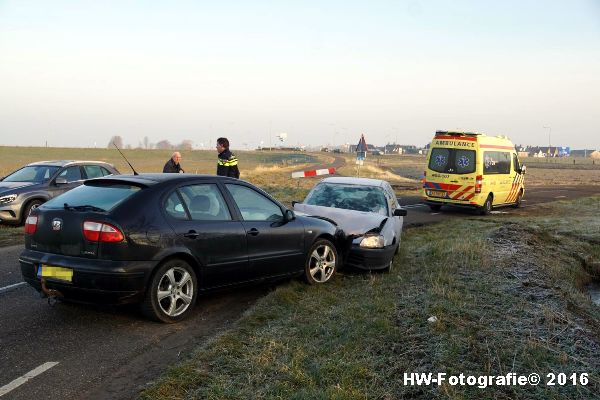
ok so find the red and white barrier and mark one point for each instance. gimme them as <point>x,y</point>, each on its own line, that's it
<point>314,172</point>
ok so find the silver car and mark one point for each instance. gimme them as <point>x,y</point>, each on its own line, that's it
<point>368,214</point>
<point>36,183</point>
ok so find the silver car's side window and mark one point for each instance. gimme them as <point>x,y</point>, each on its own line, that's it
<point>71,174</point>
<point>391,197</point>
<point>92,171</point>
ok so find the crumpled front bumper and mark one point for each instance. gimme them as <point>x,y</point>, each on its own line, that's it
<point>370,259</point>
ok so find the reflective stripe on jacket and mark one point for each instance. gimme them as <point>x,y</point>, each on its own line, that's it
<point>227,165</point>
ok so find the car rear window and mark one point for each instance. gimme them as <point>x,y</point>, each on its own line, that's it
<point>101,195</point>
<point>452,161</point>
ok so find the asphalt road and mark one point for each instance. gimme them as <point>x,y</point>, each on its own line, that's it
<point>419,214</point>
<point>90,352</point>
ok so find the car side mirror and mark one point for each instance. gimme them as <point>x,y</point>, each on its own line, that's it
<point>289,215</point>
<point>60,181</point>
<point>400,212</point>
<point>523,169</point>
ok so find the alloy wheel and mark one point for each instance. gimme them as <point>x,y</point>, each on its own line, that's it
<point>175,291</point>
<point>322,262</point>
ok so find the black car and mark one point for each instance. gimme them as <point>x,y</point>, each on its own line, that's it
<point>36,183</point>
<point>160,239</point>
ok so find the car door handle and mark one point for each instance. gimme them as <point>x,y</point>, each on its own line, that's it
<point>253,232</point>
<point>191,235</point>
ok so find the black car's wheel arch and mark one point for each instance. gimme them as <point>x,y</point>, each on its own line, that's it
<point>187,257</point>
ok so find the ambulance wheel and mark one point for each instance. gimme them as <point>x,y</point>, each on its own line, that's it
<point>487,206</point>
<point>519,200</point>
<point>435,207</point>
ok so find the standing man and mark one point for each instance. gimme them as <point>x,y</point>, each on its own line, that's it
<point>227,163</point>
<point>173,166</point>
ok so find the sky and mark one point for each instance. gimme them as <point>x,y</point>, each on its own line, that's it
<point>76,73</point>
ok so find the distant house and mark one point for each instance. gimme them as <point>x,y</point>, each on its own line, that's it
<point>400,149</point>
<point>540,151</point>
<point>392,149</point>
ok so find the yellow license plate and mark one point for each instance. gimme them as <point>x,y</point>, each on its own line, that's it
<point>438,193</point>
<point>50,271</point>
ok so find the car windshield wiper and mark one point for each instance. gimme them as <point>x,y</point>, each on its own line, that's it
<point>85,207</point>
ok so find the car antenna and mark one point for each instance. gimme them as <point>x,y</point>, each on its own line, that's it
<point>133,169</point>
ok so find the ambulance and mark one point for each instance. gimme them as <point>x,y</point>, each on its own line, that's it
<point>472,170</point>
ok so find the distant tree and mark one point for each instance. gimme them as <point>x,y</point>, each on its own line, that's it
<point>164,144</point>
<point>118,140</point>
<point>185,145</point>
<point>146,142</point>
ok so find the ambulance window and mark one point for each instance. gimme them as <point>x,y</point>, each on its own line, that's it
<point>453,161</point>
<point>465,161</point>
<point>439,159</point>
<point>496,162</point>
<point>516,165</point>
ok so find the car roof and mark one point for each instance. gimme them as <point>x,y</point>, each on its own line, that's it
<point>348,180</point>
<point>62,163</point>
<point>149,179</point>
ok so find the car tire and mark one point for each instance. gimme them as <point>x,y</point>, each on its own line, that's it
<point>487,206</point>
<point>435,207</point>
<point>172,292</point>
<point>390,266</point>
<point>32,205</point>
<point>321,262</point>
<point>519,200</point>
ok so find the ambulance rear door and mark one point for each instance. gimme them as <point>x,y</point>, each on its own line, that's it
<point>452,169</point>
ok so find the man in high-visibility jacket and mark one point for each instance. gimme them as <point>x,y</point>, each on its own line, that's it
<point>227,162</point>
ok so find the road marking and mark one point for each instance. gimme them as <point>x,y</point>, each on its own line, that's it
<point>11,287</point>
<point>560,197</point>
<point>414,205</point>
<point>21,380</point>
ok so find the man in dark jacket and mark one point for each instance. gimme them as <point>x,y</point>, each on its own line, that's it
<point>227,162</point>
<point>173,165</point>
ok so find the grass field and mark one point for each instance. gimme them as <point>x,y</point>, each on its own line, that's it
<point>509,296</point>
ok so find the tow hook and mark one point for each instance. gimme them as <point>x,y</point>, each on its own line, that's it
<point>51,294</point>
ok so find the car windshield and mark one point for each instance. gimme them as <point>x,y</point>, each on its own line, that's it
<point>93,196</point>
<point>349,197</point>
<point>34,173</point>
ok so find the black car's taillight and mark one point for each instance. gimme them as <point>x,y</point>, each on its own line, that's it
<point>102,232</point>
<point>31,224</point>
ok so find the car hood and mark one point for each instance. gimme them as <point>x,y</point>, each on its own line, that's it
<point>350,221</point>
<point>6,186</point>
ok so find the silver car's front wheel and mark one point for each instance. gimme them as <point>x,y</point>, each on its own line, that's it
<point>172,293</point>
<point>321,262</point>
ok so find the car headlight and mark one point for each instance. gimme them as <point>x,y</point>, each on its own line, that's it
<point>8,198</point>
<point>372,242</point>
